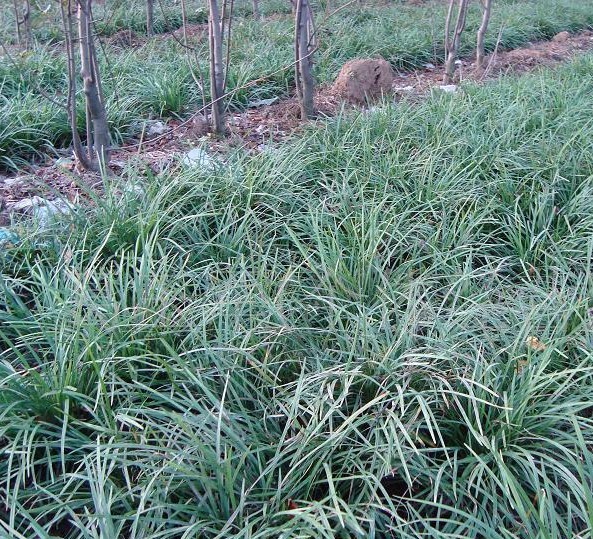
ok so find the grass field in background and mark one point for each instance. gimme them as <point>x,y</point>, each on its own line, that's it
<point>159,79</point>
<point>324,341</point>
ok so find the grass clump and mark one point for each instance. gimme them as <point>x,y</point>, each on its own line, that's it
<point>335,339</point>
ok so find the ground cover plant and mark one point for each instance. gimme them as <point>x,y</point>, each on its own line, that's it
<point>159,80</point>
<point>383,329</point>
<point>112,16</point>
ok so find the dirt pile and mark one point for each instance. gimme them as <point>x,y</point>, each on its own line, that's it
<point>362,80</point>
<point>562,37</point>
<point>125,39</point>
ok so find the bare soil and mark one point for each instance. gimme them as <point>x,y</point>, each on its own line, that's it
<point>361,80</point>
<point>125,39</point>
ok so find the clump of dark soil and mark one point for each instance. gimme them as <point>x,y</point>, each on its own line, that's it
<point>362,80</point>
<point>125,39</point>
<point>545,53</point>
<point>562,37</point>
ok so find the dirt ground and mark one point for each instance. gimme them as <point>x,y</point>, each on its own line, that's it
<point>255,128</point>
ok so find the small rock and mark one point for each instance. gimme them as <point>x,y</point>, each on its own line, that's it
<point>160,166</point>
<point>156,128</point>
<point>448,88</point>
<point>59,206</point>
<point>458,62</point>
<point>136,189</point>
<point>46,212</point>
<point>117,163</point>
<point>66,163</point>
<point>8,238</point>
<point>267,148</point>
<point>561,37</point>
<point>41,209</point>
<point>26,204</point>
<point>429,66</point>
<point>262,102</point>
<point>199,158</point>
<point>18,181</point>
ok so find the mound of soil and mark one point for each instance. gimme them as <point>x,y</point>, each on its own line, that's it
<point>562,37</point>
<point>125,39</point>
<point>362,80</point>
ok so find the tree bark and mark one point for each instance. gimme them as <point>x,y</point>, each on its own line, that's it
<point>23,20</point>
<point>98,146</point>
<point>305,83</point>
<point>256,11</point>
<point>66,11</point>
<point>184,22</point>
<point>27,23</point>
<point>149,17</point>
<point>217,71</point>
<point>17,22</point>
<point>452,45</point>
<point>486,12</point>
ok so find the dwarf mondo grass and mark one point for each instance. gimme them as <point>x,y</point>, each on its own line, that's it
<point>382,329</point>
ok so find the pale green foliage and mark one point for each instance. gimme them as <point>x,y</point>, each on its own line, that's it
<point>323,341</point>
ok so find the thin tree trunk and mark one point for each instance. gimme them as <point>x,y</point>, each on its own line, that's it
<point>229,18</point>
<point>305,83</point>
<point>486,12</point>
<point>217,70</point>
<point>96,115</point>
<point>452,45</point>
<point>27,23</point>
<point>79,153</point>
<point>17,22</point>
<point>149,17</point>
<point>184,22</point>
<point>448,26</point>
<point>256,11</point>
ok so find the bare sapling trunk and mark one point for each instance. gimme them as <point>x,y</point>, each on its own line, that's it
<point>17,22</point>
<point>184,22</point>
<point>304,48</point>
<point>27,23</point>
<point>256,11</point>
<point>22,19</point>
<point>81,157</point>
<point>149,17</point>
<point>97,128</point>
<point>452,42</point>
<point>486,12</point>
<point>217,67</point>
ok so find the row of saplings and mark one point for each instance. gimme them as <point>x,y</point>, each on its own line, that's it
<point>359,78</point>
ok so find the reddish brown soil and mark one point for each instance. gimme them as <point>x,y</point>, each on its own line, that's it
<point>539,54</point>
<point>255,128</point>
<point>125,39</point>
<point>277,122</point>
<point>363,79</point>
